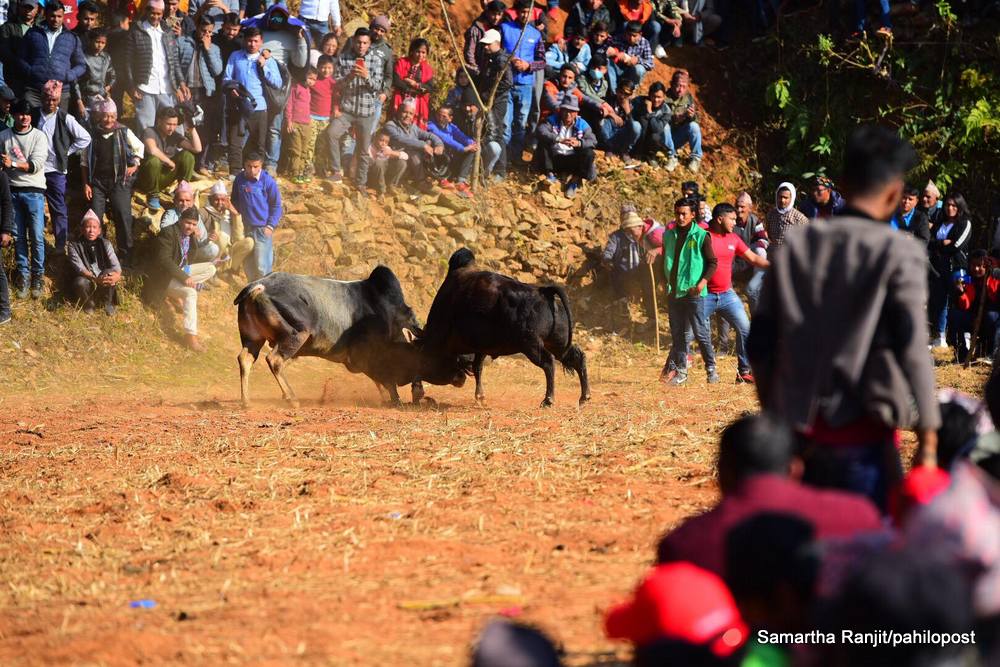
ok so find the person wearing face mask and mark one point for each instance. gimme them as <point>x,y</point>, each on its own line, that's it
<point>784,214</point>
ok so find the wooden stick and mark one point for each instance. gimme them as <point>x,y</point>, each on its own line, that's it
<point>656,311</point>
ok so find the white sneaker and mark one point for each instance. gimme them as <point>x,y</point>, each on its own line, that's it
<point>939,342</point>
<point>659,52</point>
<point>672,163</point>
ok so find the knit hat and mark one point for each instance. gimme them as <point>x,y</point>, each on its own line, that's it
<point>101,105</point>
<point>218,189</point>
<point>52,88</point>
<point>933,189</point>
<point>381,21</point>
<point>183,186</point>
<point>680,601</point>
<point>631,219</point>
<point>506,644</point>
<point>744,198</point>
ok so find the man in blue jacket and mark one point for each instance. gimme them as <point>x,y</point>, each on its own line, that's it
<point>566,146</point>
<point>527,58</point>
<point>50,53</point>
<point>258,200</point>
<point>243,83</point>
<point>460,149</point>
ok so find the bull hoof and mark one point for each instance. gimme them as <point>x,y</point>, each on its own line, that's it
<point>294,403</point>
<point>480,398</point>
<point>547,402</point>
<point>584,399</point>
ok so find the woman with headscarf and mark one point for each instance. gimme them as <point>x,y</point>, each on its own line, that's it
<point>950,237</point>
<point>412,80</point>
<point>783,215</point>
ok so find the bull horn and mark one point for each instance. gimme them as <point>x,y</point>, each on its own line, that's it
<point>408,335</point>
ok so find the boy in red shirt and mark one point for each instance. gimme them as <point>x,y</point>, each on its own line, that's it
<point>721,296</point>
<point>324,105</point>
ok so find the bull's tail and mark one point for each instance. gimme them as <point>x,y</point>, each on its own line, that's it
<point>557,291</point>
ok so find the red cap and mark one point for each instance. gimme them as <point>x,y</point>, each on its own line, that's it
<point>684,602</point>
<point>920,486</point>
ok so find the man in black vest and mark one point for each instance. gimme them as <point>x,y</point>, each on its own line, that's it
<point>66,137</point>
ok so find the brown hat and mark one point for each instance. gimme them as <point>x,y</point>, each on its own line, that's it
<point>631,219</point>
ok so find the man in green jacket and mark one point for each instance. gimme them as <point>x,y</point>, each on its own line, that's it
<point>688,263</point>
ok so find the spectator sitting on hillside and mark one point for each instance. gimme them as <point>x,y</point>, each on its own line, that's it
<point>223,220</point>
<point>566,146</point>
<point>49,52</point>
<point>6,238</point>
<point>456,92</point>
<point>618,130</point>
<point>413,80</point>
<point>257,199</point>
<point>783,215</point>
<point>585,14</point>
<point>420,145</point>
<point>758,472</point>
<point>169,157</point>
<point>823,201</point>
<point>66,138</point>
<point>594,86</point>
<point>910,219</point>
<point>94,267</point>
<point>555,57</point>
<point>577,48</point>
<point>491,145</point>
<point>653,114</point>
<point>24,151</point>
<point>179,263</point>
<point>684,127</point>
<point>388,164</point>
<point>459,151</point>
<point>183,200</point>
<point>847,395</point>
<point>562,88</point>
<point>640,12</point>
<point>489,19</point>
<point>982,278</point>
<point>109,166</point>
<point>601,45</point>
<point>100,77</point>
<point>668,14</point>
<point>700,19</point>
<point>634,57</point>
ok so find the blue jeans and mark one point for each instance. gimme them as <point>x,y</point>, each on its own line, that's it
<point>622,139</point>
<point>686,312</point>
<point>260,262</point>
<point>753,289</point>
<point>274,141</point>
<point>491,153</point>
<point>688,133</point>
<point>516,120</point>
<point>861,14</point>
<point>316,29</point>
<point>729,305</point>
<point>635,72</point>
<point>651,31</point>
<point>29,225</point>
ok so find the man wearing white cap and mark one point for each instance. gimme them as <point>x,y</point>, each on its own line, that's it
<point>109,165</point>
<point>94,267</point>
<point>566,146</point>
<point>222,219</point>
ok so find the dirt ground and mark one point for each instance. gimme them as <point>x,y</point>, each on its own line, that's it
<point>343,532</point>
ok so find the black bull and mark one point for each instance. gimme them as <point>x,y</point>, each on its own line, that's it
<point>487,314</point>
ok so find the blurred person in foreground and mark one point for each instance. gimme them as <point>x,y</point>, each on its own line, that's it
<point>838,344</point>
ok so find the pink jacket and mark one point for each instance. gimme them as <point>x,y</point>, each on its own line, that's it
<point>297,109</point>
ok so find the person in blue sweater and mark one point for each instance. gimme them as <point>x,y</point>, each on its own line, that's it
<point>524,62</point>
<point>459,149</point>
<point>242,81</point>
<point>258,200</point>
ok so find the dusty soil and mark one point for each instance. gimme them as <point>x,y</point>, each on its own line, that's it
<point>343,532</point>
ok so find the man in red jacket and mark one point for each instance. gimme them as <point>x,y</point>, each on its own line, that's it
<point>757,473</point>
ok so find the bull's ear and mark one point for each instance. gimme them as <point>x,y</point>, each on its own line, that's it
<point>408,335</point>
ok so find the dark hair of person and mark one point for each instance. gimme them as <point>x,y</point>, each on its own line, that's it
<point>189,213</point>
<point>253,156</point>
<point>87,7</point>
<point>252,31</point>
<point>598,26</point>
<point>910,190</point>
<point>232,18</point>
<point>722,209</point>
<point>167,112</point>
<point>327,37</point>
<point>322,60</point>
<point>679,75</point>
<point>686,202</point>
<point>117,18</point>
<point>417,43</point>
<point>963,206</point>
<point>657,87</point>
<point>522,4</point>
<point>874,157</point>
<point>956,433</point>
<point>309,70</point>
<point>770,549</point>
<point>753,445</point>
<point>363,32</point>
<point>51,7</point>
<point>633,27</point>
<point>94,33</point>
<point>205,21</point>
<point>567,67</point>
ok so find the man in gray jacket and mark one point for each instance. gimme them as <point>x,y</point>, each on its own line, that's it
<point>838,343</point>
<point>421,146</point>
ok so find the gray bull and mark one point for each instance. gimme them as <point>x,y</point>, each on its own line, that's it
<point>362,324</point>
